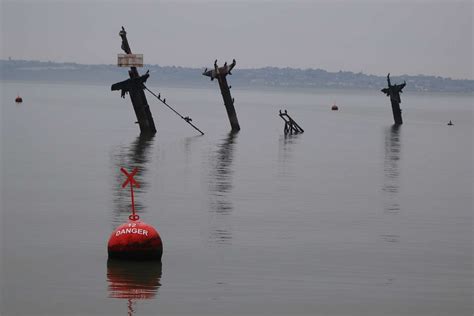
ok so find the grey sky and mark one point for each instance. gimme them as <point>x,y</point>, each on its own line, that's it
<point>376,37</point>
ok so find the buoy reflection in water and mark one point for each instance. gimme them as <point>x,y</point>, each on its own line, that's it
<point>133,280</point>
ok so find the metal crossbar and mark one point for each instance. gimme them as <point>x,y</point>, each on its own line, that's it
<point>291,127</point>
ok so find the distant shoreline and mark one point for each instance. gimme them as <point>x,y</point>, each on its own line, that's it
<point>262,78</point>
<point>153,85</point>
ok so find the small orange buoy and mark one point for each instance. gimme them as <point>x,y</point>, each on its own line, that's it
<point>135,240</point>
<point>18,99</point>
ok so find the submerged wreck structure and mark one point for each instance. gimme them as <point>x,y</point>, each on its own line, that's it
<point>135,86</point>
<point>291,127</point>
<point>221,73</point>
<point>393,91</point>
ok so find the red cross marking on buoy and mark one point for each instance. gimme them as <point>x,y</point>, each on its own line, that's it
<point>130,180</point>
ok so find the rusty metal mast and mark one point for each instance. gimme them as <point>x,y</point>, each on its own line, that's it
<point>220,73</point>
<point>393,91</point>
<point>134,86</point>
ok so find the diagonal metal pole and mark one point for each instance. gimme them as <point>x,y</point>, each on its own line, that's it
<point>186,119</point>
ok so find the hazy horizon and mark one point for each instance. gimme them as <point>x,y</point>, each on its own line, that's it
<point>401,37</point>
<point>254,68</point>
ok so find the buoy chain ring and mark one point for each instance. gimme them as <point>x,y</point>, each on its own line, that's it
<point>134,217</point>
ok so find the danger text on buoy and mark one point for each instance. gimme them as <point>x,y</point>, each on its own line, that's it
<point>135,240</point>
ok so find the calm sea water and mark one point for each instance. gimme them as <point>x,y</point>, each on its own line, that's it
<point>352,217</point>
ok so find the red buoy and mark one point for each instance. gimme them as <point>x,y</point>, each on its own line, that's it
<point>18,99</point>
<point>134,240</point>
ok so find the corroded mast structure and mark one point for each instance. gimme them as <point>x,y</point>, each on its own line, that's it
<point>135,86</point>
<point>394,93</point>
<point>220,73</point>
